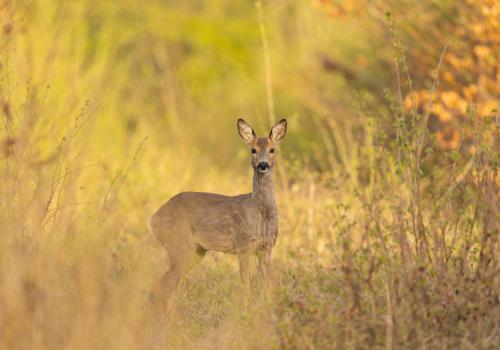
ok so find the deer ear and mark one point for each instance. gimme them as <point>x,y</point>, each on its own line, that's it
<point>278,131</point>
<point>245,130</point>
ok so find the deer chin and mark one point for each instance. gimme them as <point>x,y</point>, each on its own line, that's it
<point>260,171</point>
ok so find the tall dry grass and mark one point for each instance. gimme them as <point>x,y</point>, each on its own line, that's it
<point>385,241</point>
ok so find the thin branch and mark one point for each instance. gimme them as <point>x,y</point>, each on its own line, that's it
<point>267,62</point>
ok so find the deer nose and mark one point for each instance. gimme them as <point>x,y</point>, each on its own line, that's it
<point>263,165</point>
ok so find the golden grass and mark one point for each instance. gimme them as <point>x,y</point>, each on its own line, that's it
<point>385,241</point>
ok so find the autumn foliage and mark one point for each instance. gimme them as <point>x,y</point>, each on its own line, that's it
<point>467,34</point>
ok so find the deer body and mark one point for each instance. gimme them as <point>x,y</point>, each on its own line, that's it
<point>192,223</point>
<point>229,224</point>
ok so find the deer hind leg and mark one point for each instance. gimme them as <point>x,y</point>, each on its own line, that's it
<point>182,260</point>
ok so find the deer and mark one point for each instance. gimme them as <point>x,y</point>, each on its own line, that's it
<point>192,223</point>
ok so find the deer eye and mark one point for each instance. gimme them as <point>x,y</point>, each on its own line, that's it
<point>254,150</point>
<point>271,150</point>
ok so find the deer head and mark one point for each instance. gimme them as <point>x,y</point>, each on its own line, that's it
<point>262,149</point>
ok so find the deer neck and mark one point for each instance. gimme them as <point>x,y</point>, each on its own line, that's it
<point>263,193</point>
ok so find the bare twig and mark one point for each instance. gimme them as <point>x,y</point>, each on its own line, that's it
<point>267,62</point>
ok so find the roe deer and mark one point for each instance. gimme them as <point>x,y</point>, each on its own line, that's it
<point>192,223</point>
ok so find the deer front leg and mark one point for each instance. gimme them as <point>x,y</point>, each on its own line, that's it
<point>265,271</point>
<point>244,260</point>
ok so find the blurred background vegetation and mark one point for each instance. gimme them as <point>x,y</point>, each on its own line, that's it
<point>110,107</point>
